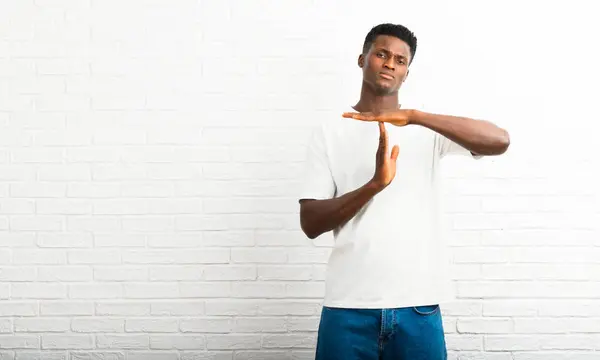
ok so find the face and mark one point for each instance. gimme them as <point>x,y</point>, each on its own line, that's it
<point>385,65</point>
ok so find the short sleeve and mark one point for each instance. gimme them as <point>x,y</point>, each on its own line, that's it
<point>317,180</point>
<point>445,146</point>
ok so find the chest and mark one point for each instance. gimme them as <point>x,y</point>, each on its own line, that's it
<point>353,156</point>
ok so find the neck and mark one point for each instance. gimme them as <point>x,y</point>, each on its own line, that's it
<point>370,101</point>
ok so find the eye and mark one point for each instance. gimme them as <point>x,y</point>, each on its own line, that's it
<point>379,54</point>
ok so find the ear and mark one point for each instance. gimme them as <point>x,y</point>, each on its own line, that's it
<point>361,61</point>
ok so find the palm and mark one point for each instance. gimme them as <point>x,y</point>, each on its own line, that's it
<point>397,118</point>
<point>385,170</point>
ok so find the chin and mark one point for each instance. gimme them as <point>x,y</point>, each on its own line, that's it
<point>385,86</point>
<point>385,90</point>
<point>382,87</point>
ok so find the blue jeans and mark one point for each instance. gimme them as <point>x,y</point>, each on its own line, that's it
<point>411,333</point>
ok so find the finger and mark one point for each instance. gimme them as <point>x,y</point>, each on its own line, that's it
<point>353,115</point>
<point>395,152</point>
<point>382,138</point>
<point>360,116</point>
<point>380,144</point>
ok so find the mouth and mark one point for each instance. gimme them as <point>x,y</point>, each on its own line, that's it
<point>386,76</point>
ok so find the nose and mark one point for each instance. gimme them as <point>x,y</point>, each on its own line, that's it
<point>389,63</point>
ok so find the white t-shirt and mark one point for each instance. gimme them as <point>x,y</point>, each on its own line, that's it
<point>390,254</point>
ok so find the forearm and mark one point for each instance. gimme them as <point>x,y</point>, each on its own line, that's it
<point>478,136</point>
<point>320,216</point>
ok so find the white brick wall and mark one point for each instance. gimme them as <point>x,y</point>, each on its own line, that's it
<point>150,154</point>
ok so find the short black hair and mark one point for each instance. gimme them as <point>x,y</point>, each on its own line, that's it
<point>399,31</point>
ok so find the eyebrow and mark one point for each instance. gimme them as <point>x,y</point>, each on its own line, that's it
<point>389,52</point>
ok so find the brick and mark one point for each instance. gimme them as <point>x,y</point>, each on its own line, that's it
<point>233,342</point>
<point>512,343</point>
<point>154,355</point>
<point>122,308</point>
<point>97,325</point>
<point>95,190</point>
<point>289,341</point>
<point>17,206</point>
<point>289,272</point>
<point>18,342</point>
<point>18,308</point>
<point>16,274</point>
<point>229,272</point>
<point>205,290</point>
<point>119,240</point>
<point>122,341</point>
<point>568,307</point>
<point>37,223</point>
<point>177,342</point>
<point>259,255</point>
<point>42,325</point>
<point>464,342</point>
<point>93,223</point>
<point>66,308</point>
<point>65,240</point>
<point>308,256</point>
<point>207,355</point>
<point>64,341</point>
<point>96,355</point>
<point>151,325</point>
<point>539,355</point>
<point>481,255</point>
<point>178,308</point>
<point>14,241</point>
<point>484,326</point>
<point>71,172</point>
<point>151,291</point>
<point>251,289</point>
<point>40,189</point>
<point>205,256</point>
<point>39,257</point>
<point>509,308</point>
<point>94,257</point>
<point>64,274</point>
<point>228,238</point>
<point>259,325</point>
<point>261,355</point>
<point>38,291</point>
<point>217,325</point>
<point>306,289</point>
<point>95,291</point>
<point>120,273</point>
<point>41,355</point>
<point>175,273</point>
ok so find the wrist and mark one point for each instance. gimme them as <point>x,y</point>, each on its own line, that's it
<point>374,186</point>
<point>415,117</point>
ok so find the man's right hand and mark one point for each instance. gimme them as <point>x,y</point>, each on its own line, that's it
<point>385,168</point>
<point>320,216</point>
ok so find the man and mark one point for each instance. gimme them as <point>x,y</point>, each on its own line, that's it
<point>386,275</point>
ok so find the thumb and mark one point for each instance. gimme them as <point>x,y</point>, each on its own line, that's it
<point>395,151</point>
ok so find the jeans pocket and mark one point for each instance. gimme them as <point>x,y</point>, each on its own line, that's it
<point>426,310</point>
